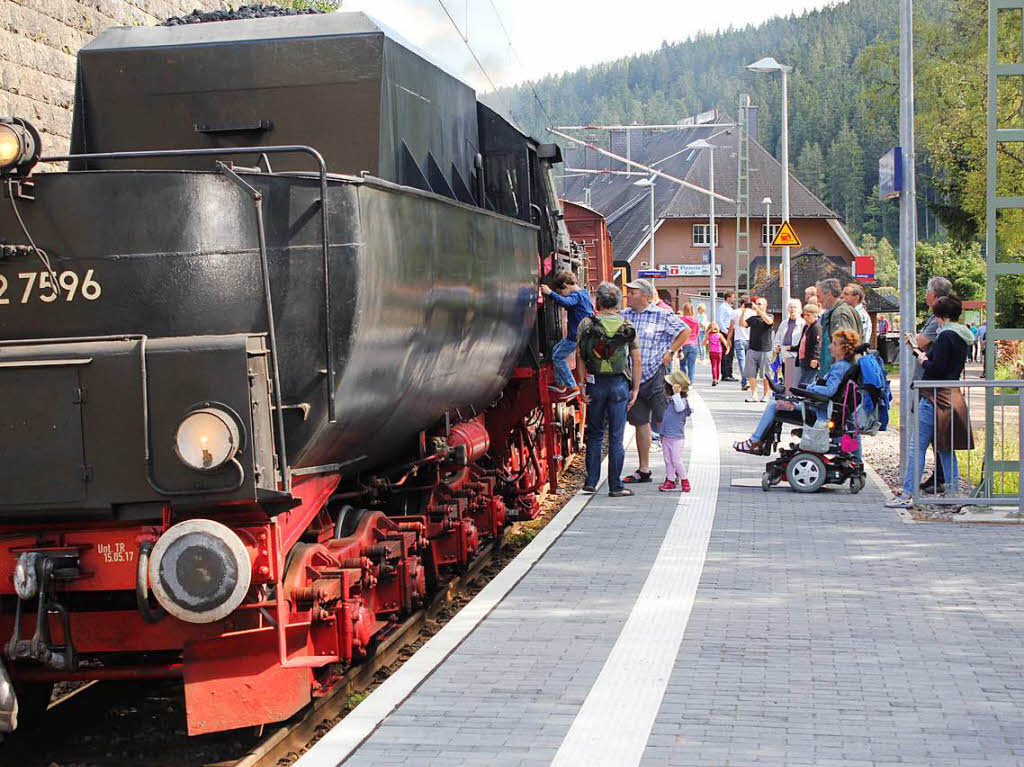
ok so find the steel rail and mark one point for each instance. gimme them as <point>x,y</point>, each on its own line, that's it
<point>296,736</point>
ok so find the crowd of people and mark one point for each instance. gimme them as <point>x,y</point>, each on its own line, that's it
<point>636,365</point>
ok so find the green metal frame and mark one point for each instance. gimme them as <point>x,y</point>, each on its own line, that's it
<point>994,267</point>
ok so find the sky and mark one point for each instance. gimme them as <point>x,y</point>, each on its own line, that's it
<point>553,36</point>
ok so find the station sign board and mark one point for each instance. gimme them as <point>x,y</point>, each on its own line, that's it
<point>692,270</point>
<point>890,174</point>
<point>864,268</point>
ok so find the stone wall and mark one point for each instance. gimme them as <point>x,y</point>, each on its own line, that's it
<point>38,43</point>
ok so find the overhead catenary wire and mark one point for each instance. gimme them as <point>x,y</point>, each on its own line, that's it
<point>465,40</point>
<point>647,168</point>
<point>515,53</point>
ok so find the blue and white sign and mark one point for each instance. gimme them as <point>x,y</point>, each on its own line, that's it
<point>693,270</point>
<point>890,174</point>
<point>652,273</point>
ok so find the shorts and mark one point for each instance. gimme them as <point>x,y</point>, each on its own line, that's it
<point>650,401</point>
<point>757,364</point>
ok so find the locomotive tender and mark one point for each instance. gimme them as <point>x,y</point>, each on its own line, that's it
<point>271,359</point>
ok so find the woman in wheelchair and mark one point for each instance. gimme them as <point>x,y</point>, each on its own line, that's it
<point>843,348</point>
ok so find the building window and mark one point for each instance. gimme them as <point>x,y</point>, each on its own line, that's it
<point>768,232</point>
<point>700,235</point>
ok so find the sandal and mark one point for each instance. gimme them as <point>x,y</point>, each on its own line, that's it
<point>638,476</point>
<point>753,447</point>
<point>623,492</point>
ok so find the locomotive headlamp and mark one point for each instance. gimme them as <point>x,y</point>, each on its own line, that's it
<point>19,146</point>
<point>207,438</point>
<point>199,571</point>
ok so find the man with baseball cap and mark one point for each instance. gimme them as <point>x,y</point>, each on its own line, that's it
<point>661,334</point>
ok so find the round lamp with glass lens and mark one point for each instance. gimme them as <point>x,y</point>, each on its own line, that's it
<point>207,439</point>
<point>19,147</point>
<point>10,146</point>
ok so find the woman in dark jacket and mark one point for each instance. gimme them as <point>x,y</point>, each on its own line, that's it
<point>939,409</point>
<point>810,346</point>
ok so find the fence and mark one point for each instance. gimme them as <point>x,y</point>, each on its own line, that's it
<point>994,464</point>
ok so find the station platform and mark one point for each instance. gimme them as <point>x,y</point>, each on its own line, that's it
<point>722,626</point>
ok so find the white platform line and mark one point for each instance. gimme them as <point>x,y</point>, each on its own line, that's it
<point>338,744</point>
<point>615,721</point>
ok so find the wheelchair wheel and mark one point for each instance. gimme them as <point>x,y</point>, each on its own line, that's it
<point>806,473</point>
<point>766,482</point>
<point>856,484</point>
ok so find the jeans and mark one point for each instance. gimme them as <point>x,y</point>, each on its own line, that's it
<point>561,352</point>
<point>609,396</point>
<point>689,365</point>
<point>767,419</point>
<point>924,437</point>
<point>740,347</point>
<point>700,342</point>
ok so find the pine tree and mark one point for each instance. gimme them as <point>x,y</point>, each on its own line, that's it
<point>810,168</point>
<point>845,177</point>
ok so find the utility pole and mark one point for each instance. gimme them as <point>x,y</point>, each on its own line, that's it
<point>652,224</point>
<point>698,145</point>
<point>768,64</point>
<point>787,292</point>
<point>908,227</point>
<point>711,222</point>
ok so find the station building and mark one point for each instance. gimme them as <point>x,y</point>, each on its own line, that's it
<point>681,214</point>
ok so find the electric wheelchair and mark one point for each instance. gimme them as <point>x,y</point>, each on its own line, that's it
<point>825,450</point>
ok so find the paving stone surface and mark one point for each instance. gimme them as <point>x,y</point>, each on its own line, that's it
<point>509,693</point>
<point>826,631</point>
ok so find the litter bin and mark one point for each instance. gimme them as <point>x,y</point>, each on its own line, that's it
<point>889,347</point>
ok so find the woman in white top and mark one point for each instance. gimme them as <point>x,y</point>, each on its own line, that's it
<point>787,341</point>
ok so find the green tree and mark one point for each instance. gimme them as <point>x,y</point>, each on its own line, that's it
<point>887,263</point>
<point>845,177</point>
<point>810,168</point>
<point>961,265</point>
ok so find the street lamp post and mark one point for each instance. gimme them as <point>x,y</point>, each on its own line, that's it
<point>768,64</point>
<point>767,201</point>
<point>702,144</point>
<point>908,227</point>
<point>649,182</point>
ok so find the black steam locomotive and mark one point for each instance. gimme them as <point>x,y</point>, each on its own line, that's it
<point>271,358</point>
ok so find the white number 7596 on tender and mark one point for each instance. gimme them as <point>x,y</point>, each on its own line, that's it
<point>38,286</point>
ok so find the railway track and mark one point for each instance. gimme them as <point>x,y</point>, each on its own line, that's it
<point>112,724</point>
<point>289,740</point>
<point>71,716</point>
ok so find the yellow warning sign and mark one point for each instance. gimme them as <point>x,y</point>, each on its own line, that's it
<point>786,236</point>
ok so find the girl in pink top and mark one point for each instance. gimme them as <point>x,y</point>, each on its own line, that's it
<point>717,345</point>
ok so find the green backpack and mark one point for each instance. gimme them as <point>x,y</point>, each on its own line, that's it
<point>605,344</point>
